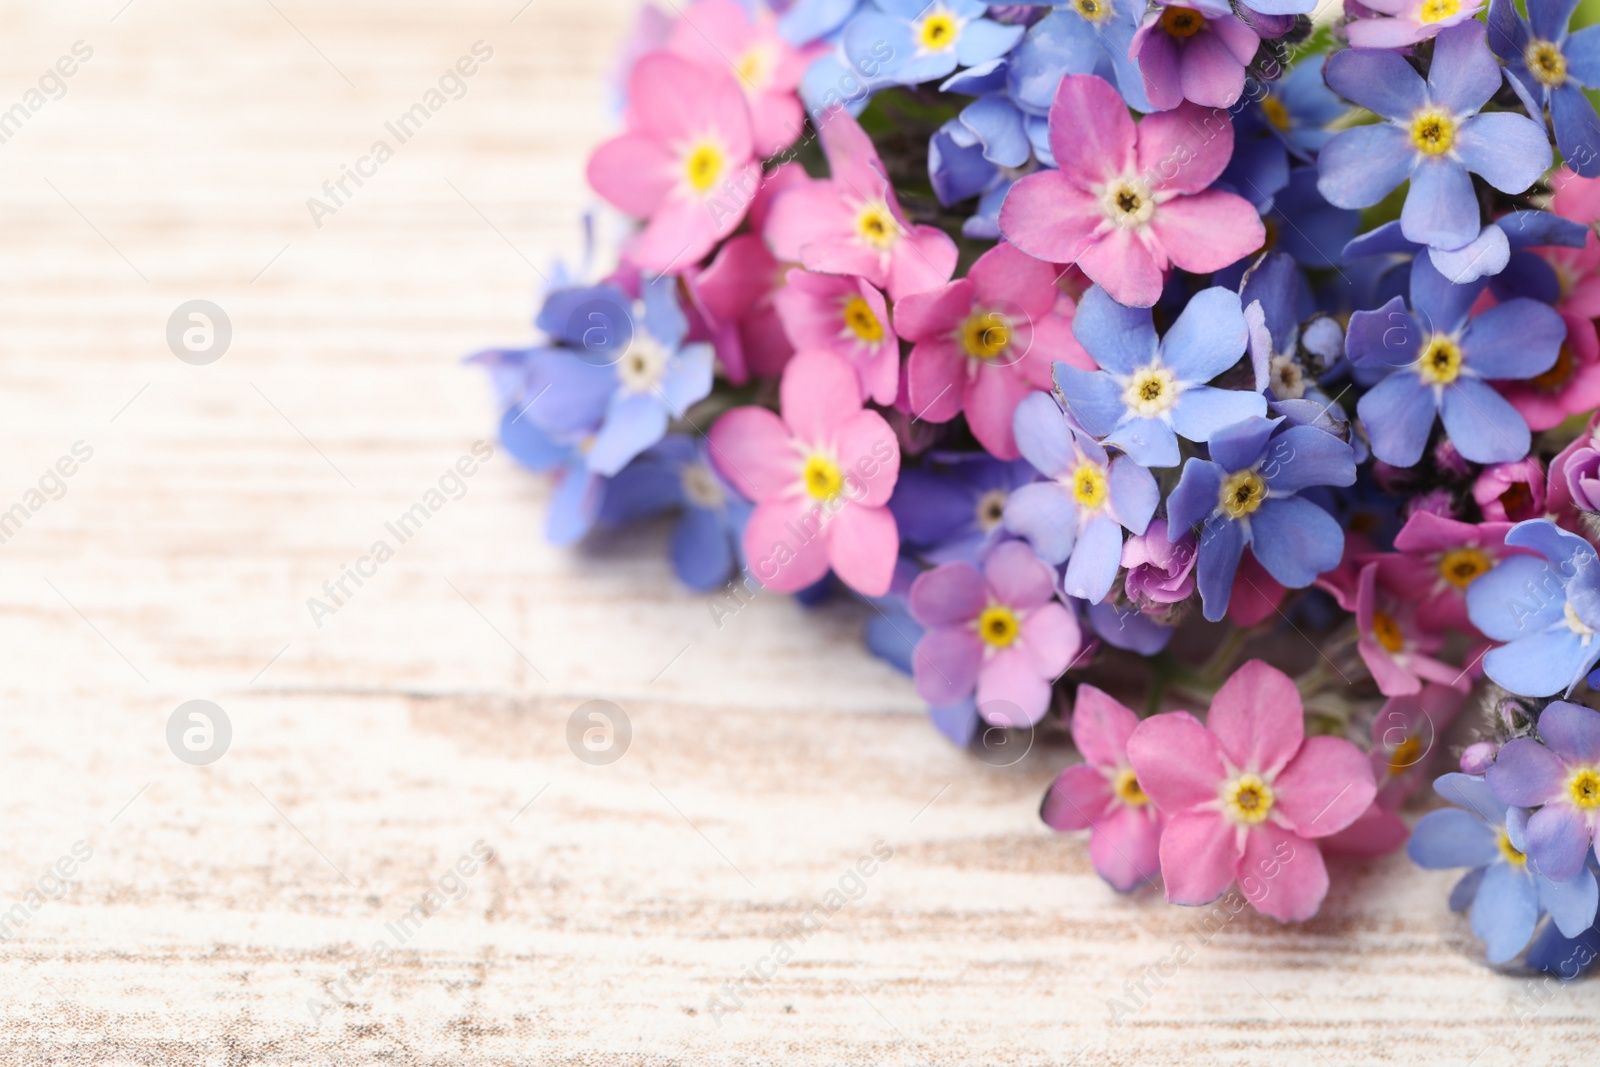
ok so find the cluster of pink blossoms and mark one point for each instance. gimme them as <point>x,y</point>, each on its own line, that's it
<point>1057,338</point>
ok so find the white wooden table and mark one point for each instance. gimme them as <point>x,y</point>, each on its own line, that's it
<point>226,913</point>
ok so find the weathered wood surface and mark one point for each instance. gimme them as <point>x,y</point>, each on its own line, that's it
<point>369,753</point>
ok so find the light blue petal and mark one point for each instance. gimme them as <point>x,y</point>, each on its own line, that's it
<point>1134,494</point>
<point>633,423</point>
<point>1463,74</point>
<point>1207,338</point>
<point>1149,441</point>
<point>1304,456</point>
<point>1541,665</point>
<point>1093,398</point>
<point>1295,540</point>
<point>1577,128</point>
<point>1583,56</point>
<point>1123,627</point>
<point>1520,596</point>
<point>1482,424</point>
<point>1195,496</point>
<point>1471,792</point>
<point>1441,210</point>
<point>1515,339</point>
<point>688,378</point>
<point>1360,166</point>
<point>984,39</point>
<point>1450,838</point>
<point>1398,414</point>
<point>1047,516</point>
<point>998,123</point>
<point>1044,436</point>
<point>1505,912</point>
<point>1571,904</point>
<point>1121,339</point>
<point>1221,546</point>
<point>1485,255</point>
<point>1378,80</point>
<point>1094,562</point>
<point>1240,445</point>
<point>1508,150</point>
<point>1202,410</point>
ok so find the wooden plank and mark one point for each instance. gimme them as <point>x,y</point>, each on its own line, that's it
<point>430,712</point>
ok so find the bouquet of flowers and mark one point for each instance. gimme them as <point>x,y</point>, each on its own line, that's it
<point>1192,355</point>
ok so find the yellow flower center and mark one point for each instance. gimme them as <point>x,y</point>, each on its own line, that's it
<point>1546,63</point>
<point>1433,131</point>
<point>1584,786</point>
<point>1276,113</point>
<point>1560,372</point>
<point>755,67</point>
<point>1509,851</point>
<point>1150,392</point>
<point>1405,756</point>
<point>1094,10</point>
<point>1241,494</point>
<point>876,226</point>
<point>1247,799</point>
<point>991,509</point>
<point>644,366</point>
<point>1435,10</point>
<point>985,334</point>
<point>1388,632</point>
<point>1126,787</point>
<point>998,625</point>
<point>822,477</point>
<point>1128,202</point>
<point>860,320</point>
<point>939,32</point>
<point>701,487</point>
<point>1440,362</point>
<point>1460,566</point>
<point>1089,486</point>
<point>1182,21</point>
<point>1575,624</point>
<point>703,166</point>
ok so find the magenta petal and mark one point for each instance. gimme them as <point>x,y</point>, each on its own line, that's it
<point>935,380</point>
<point>1258,719</point>
<point>1282,875</point>
<point>923,258</point>
<point>1210,74</point>
<point>1125,847</point>
<point>1018,578</point>
<point>818,391</point>
<point>680,233</point>
<point>1008,684</point>
<point>922,316</point>
<point>868,453</point>
<point>679,101</point>
<point>1325,788</point>
<point>1101,727</point>
<point>783,555</point>
<point>1007,275</point>
<point>800,214</point>
<point>1078,799</point>
<point>634,172</point>
<point>1207,231</point>
<point>1091,133</point>
<point>753,449</point>
<point>1178,761</point>
<point>991,401</point>
<point>1122,265</point>
<point>1199,136</point>
<point>953,594</point>
<point>1050,639</point>
<point>1199,855</point>
<point>1049,217</point>
<point>945,665</point>
<point>863,543</point>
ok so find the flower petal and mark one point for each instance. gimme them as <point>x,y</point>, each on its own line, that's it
<point>1200,856</point>
<point>1326,786</point>
<point>1258,720</point>
<point>1282,874</point>
<point>1178,761</point>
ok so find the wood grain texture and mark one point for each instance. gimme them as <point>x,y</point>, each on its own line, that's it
<point>769,753</point>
